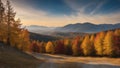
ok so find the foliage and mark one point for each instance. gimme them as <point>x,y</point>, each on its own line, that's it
<point>59,48</point>
<point>67,47</point>
<point>11,32</point>
<point>108,44</point>
<point>34,47</point>
<point>117,42</point>
<point>49,47</point>
<point>99,43</point>
<point>75,47</point>
<point>86,46</point>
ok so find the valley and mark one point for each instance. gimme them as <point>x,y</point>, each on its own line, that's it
<point>59,34</point>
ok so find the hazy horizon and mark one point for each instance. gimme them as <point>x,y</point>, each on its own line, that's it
<point>55,13</point>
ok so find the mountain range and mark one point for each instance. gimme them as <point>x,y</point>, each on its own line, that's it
<point>78,27</point>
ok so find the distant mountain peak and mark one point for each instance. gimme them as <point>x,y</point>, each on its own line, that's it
<point>86,27</point>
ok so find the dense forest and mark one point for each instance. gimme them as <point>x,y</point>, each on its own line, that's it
<point>106,43</point>
<point>11,32</point>
<point>100,44</point>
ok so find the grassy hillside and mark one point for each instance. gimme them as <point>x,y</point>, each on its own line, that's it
<point>13,58</point>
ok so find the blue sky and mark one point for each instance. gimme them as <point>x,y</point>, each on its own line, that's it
<point>62,12</point>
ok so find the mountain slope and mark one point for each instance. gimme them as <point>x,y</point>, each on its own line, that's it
<point>87,27</point>
<point>40,37</point>
<point>13,58</point>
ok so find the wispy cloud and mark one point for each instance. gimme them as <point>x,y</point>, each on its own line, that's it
<point>98,6</point>
<point>31,16</point>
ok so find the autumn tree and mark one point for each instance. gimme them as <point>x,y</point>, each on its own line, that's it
<point>117,32</point>
<point>9,27</point>
<point>42,46</point>
<point>75,48</point>
<point>24,40</point>
<point>59,48</point>
<point>86,46</point>
<point>117,42</point>
<point>1,11</point>
<point>10,19</point>
<point>92,39</point>
<point>49,47</point>
<point>67,46</point>
<point>98,43</point>
<point>34,46</point>
<point>14,33</point>
<point>2,23</point>
<point>108,44</point>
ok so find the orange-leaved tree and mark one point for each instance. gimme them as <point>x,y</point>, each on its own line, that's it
<point>49,47</point>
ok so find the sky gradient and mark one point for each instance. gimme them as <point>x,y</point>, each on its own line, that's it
<point>62,12</point>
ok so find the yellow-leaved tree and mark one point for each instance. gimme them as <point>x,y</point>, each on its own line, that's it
<point>117,32</point>
<point>15,31</point>
<point>24,41</point>
<point>99,43</point>
<point>11,32</point>
<point>92,39</point>
<point>108,44</point>
<point>49,47</point>
<point>67,46</point>
<point>86,46</point>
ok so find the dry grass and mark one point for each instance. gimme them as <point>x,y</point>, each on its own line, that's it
<point>63,61</point>
<point>13,58</point>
